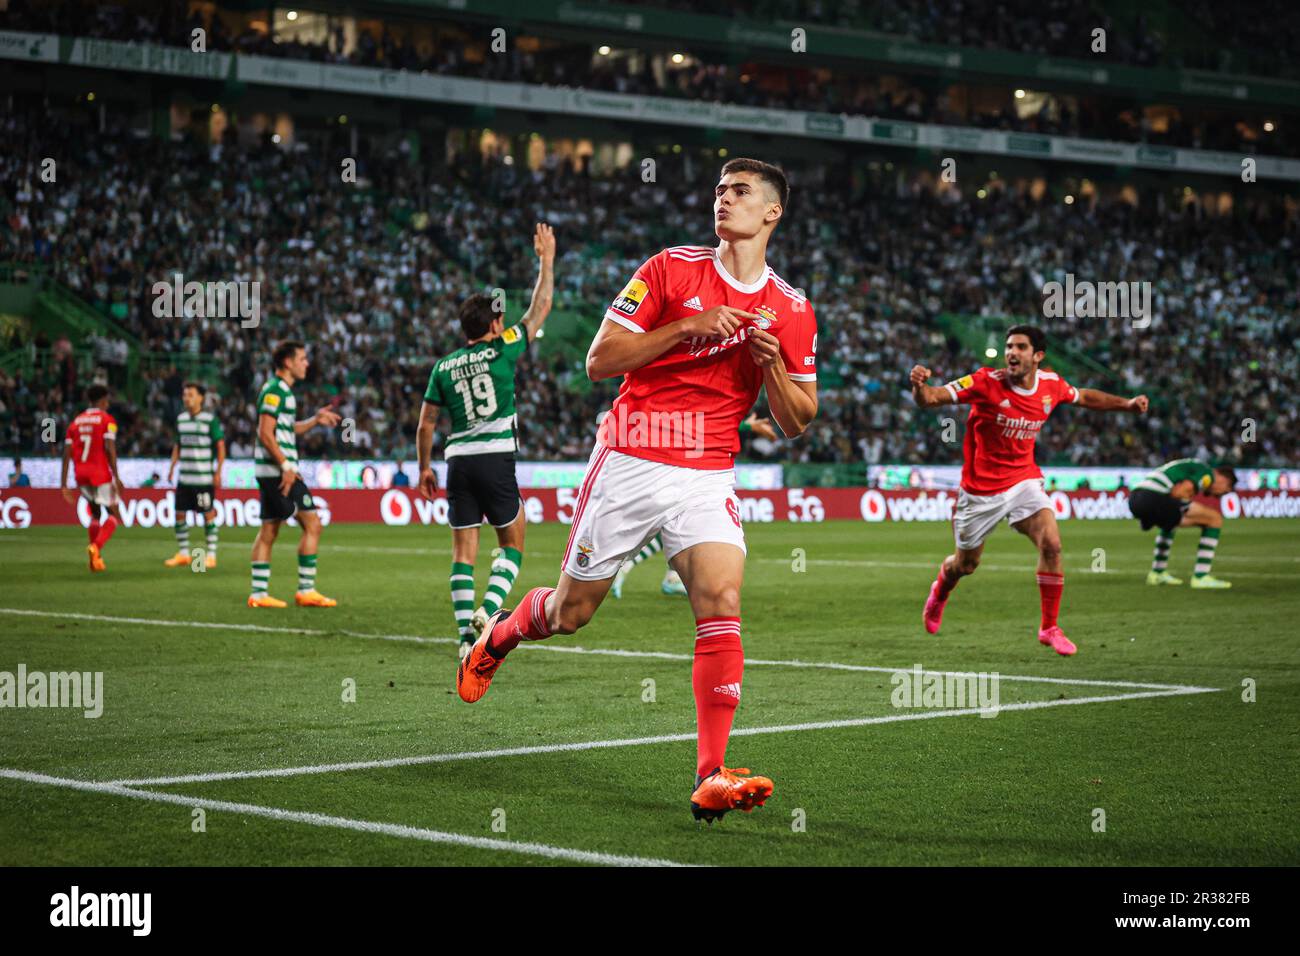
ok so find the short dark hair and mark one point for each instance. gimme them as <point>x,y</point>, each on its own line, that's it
<point>96,392</point>
<point>477,314</point>
<point>1036,337</point>
<point>285,351</point>
<point>197,386</point>
<point>1228,473</point>
<point>772,175</point>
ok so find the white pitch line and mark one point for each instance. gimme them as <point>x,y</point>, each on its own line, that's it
<point>343,823</point>
<point>574,649</point>
<point>630,741</point>
<point>1016,568</point>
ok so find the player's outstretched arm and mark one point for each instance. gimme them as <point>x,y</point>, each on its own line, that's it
<point>1106,402</point>
<point>617,350</point>
<point>324,416</point>
<point>544,289</point>
<point>927,396</point>
<point>424,449</point>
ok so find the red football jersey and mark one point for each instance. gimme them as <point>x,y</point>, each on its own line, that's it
<point>87,435</point>
<point>1003,423</point>
<point>685,407</point>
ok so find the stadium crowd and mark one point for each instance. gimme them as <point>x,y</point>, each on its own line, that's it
<point>370,276</point>
<point>1020,25</point>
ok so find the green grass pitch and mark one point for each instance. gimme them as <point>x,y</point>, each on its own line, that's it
<point>1189,778</point>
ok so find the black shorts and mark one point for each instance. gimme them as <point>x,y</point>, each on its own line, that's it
<point>278,507</point>
<point>194,498</point>
<point>1156,509</point>
<point>482,486</point>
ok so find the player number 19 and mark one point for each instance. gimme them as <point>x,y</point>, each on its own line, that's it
<point>480,387</point>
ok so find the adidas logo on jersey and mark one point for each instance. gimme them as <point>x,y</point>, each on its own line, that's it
<point>1005,403</point>
<point>731,690</point>
<point>694,303</point>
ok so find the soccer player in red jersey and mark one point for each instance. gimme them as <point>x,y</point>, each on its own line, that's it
<point>91,445</point>
<point>695,334</point>
<point>999,478</point>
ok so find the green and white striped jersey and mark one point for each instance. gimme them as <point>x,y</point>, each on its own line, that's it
<point>476,385</point>
<point>1166,476</point>
<point>197,437</point>
<point>276,398</point>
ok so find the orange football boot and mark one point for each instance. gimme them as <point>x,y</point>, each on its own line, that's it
<point>96,560</point>
<point>476,669</point>
<point>264,600</point>
<point>313,598</point>
<point>725,790</point>
<point>178,560</point>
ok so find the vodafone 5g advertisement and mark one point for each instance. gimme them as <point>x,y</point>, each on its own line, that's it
<point>148,508</point>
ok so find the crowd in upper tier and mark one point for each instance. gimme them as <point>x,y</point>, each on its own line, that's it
<point>1055,27</point>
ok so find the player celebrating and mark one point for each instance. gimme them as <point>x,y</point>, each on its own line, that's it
<point>198,438</point>
<point>476,384</point>
<point>672,583</point>
<point>695,334</point>
<point>91,443</point>
<point>1163,499</point>
<point>999,478</point>
<point>283,493</point>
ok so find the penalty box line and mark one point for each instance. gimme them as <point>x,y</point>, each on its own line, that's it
<point>573,649</point>
<point>392,762</point>
<point>343,823</point>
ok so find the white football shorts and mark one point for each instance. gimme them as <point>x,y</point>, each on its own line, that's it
<point>105,495</point>
<point>625,501</point>
<point>976,516</point>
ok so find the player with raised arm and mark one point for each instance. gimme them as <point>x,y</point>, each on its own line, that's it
<point>284,494</point>
<point>476,384</point>
<point>695,334</point>
<point>201,451</point>
<point>91,447</point>
<point>1163,499</point>
<point>999,478</point>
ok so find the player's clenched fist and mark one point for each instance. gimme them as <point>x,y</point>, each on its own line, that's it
<point>1138,404</point>
<point>717,323</point>
<point>920,375</point>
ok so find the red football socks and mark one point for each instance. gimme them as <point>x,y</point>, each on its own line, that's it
<point>106,532</point>
<point>716,676</point>
<point>93,531</point>
<point>1050,586</point>
<point>527,622</point>
<point>946,583</point>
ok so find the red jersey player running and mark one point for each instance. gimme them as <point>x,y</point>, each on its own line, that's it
<point>998,477</point>
<point>695,334</point>
<point>91,444</point>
